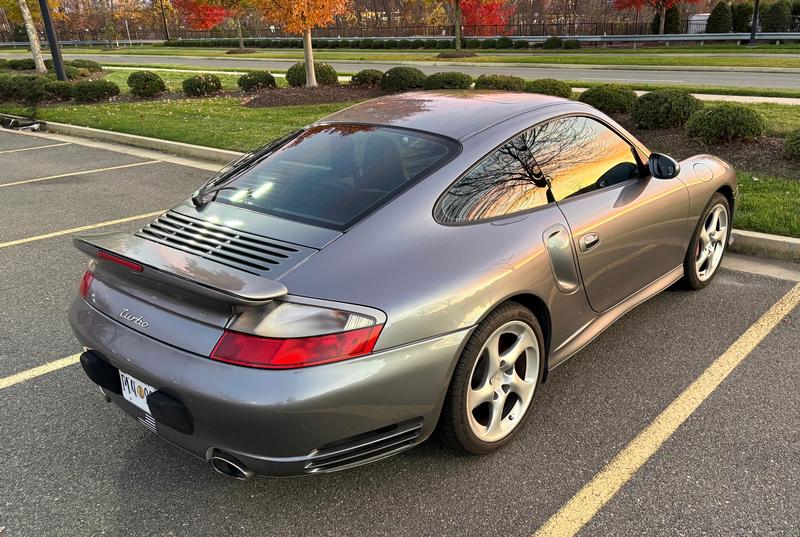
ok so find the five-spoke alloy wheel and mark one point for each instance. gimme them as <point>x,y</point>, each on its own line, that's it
<point>495,380</point>
<point>708,243</point>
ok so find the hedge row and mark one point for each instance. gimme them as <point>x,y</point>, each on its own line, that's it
<point>35,88</point>
<point>364,43</point>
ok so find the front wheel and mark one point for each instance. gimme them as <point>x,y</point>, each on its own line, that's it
<point>494,381</point>
<point>708,244</point>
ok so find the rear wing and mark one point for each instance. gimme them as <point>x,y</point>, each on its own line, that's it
<point>181,269</point>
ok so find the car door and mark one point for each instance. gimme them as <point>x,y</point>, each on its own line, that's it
<point>627,227</point>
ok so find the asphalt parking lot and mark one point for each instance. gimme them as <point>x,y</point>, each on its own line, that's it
<point>74,465</point>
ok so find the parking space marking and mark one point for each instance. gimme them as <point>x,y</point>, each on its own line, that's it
<point>79,229</point>
<point>584,505</point>
<point>98,170</point>
<point>29,374</point>
<point>32,148</point>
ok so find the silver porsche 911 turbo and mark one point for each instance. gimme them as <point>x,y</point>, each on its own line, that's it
<point>414,262</point>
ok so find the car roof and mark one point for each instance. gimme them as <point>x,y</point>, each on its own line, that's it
<point>454,113</point>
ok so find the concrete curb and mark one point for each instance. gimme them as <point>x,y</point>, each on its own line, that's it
<point>744,242</point>
<point>766,245</point>
<point>200,152</point>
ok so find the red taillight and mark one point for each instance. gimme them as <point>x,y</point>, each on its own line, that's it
<point>86,282</point>
<point>119,260</point>
<point>271,353</point>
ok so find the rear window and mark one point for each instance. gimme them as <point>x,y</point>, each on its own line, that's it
<point>334,175</point>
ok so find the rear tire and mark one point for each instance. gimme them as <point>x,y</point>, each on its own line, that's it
<point>494,381</point>
<point>708,244</point>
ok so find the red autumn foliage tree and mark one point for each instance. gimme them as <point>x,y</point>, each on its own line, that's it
<point>200,14</point>
<point>476,13</point>
<point>661,6</point>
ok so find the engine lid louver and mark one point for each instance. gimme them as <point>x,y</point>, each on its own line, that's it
<point>225,245</point>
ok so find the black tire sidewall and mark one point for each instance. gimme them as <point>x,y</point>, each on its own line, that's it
<point>455,422</point>
<point>690,275</point>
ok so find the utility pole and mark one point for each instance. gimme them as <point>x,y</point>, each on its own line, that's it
<point>754,28</point>
<point>52,40</point>
<point>164,20</point>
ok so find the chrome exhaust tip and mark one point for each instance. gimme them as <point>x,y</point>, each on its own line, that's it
<point>230,466</point>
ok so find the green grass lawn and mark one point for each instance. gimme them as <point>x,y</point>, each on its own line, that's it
<point>580,57</point>
<point>216,122</point>
<point>173,80</point>
<point>768,204</point>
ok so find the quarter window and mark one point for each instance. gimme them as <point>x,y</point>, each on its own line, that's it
<point>550,162</point>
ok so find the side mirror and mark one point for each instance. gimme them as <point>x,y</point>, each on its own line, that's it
<point>663,166</point>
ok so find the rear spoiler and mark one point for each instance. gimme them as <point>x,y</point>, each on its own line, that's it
<point>184,270</point>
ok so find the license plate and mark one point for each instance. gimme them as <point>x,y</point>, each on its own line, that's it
<point>135,391</point>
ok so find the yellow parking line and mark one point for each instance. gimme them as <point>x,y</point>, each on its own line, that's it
<point>49,367</point>
<point>78,229</point>
<point>594,495</point>
<point>98,170</point>
<point>32,148</point>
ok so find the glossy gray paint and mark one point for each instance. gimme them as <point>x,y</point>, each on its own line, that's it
<point>433,282</point>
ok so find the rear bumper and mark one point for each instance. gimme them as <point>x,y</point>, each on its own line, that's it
<point>290,422</point>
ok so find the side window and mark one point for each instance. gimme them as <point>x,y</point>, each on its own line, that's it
<point>505,182</point>
<point>580,154</point>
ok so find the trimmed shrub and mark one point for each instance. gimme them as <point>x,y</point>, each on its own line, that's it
<point>473,43</point>
<point>366,78</point>
<point>402,79</point>
<point>430,43</point>
<point>792,144</point>
<point>725,122</point>
<point>58,90</point>
<point>3,63</point>
<point>89,65</point>
<point>505,42</point>
<point>324,73</point>
<point>417,43</point>
<point>344,43</point>
<point>323,43</point>
<point>199,85</point>
<point>449,80</point>
<point>390,43</point>
<point>742,16</point>
<point>378,43</point>
<point>776,17</point>
<point>549,86</point>
<point>552,42</point>
<point>91,91</point>
<point>145,83</point>
<point>672,22</point>
<point>489,43</point>
<point>256,80</point>
<point>22,88</point>
<point>365,43</point>
<point>610,98</point>
<point>721,19</point>
<point>403,43</point>
<point>22,64</point>
<point>521,43</point>
<point>500,82</point>
<point>445,43</point>
<point>664,108</point>
<point>571,44</point>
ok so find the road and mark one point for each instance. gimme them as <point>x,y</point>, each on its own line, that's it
<point>772,80</point>
<point>75,465</point>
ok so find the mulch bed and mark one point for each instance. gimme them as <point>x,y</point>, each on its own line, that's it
<point>318,95</point>
<point>765,156</point>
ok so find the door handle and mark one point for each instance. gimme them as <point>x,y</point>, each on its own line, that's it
<point>588,242</point>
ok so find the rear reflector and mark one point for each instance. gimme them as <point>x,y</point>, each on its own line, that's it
<point>119,260</point>
<point>86,282</point>
<point>272,353</point>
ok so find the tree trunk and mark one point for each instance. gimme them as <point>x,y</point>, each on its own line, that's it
<point>33,37</point>
<point>457,23</point>
<point>308,55</point>
<point>662,12</point>
<point>239,32</point>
